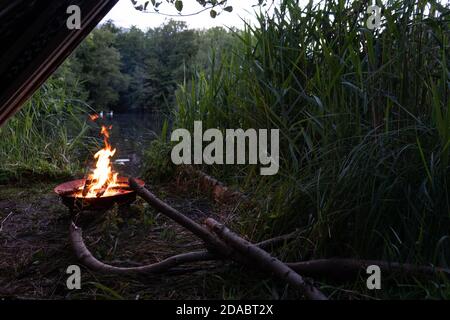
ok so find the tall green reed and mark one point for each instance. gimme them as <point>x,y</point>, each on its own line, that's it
<point>364,125</point>
<point>44,138</point>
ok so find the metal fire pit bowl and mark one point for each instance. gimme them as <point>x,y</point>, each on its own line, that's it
<point>67,193</point>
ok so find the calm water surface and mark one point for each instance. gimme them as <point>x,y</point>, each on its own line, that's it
<point>131,135</point>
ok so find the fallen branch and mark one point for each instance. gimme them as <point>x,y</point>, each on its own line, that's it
<point>213,244</point>
<point>85,256</point>
<point>346,269</point>
<point>336,269</point>
<point>244,252</point>
<point>175,215</point>
<point>223,244</point>
<point>265,260</point>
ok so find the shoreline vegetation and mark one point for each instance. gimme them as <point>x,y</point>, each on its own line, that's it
<point>363,116</point>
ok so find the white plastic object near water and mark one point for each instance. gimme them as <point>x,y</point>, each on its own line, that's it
<point>121,162</point>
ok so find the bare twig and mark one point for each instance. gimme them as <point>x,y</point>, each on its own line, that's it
<point>4,220</point>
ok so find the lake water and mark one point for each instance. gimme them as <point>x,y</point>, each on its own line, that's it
<point>131,135</point>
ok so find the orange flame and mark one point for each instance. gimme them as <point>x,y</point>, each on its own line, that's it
<point>102,179</point>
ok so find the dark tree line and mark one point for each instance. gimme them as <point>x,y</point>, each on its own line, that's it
<point>133,70</point>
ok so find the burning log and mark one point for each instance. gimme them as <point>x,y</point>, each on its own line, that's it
<point>103,178</point>
<point>102,190</point>
<point>87,186</point>
<point>72,197</point>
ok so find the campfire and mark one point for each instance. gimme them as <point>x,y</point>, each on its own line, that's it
<point>103,186</point>
<point>103,181</point>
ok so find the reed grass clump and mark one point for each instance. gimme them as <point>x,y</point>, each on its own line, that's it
<point>364,126</point>
<point>45,138</point>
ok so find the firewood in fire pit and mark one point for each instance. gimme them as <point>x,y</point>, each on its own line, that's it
<point>86,187</point>
<point>121,188</point>
<point>102,190</point>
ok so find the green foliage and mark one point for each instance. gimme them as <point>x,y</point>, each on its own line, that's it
<point>133,48</point>
<point>179,5</point>
<point>99,63</point>
<point>212,43</point>
<point>211,5</point>
<point>124,70</point>
<point>45,139</point>
<point>172,47</point>
<point>132,70</point>
<point>157,163</point>
<point>364,126</point>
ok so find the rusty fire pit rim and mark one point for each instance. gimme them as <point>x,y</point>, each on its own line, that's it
<point>64,189</point>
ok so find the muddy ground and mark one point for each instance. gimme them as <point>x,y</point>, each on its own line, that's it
<point>35,251</point>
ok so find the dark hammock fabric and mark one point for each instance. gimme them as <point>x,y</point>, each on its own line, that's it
<point>34,41</point>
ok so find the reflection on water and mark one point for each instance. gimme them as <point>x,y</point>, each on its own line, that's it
<point>131,135</point>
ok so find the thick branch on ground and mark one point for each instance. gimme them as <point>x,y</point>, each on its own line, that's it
<point>214,245</point>
<point>244,252</point>
<point>337,269</point>
<point>167,265</point>
<point>347,269</point>
<point>86,257</point>
<point>204,234</point>
<point>265,260</point>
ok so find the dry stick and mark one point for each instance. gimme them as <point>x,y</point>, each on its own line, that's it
<point>172,213</point>
<point>337,269</point>
<point>86,257</point>
<point>345,269</point>
<point>210,240</point>
<point>86,187</point>
<point>214,245</point>
<point>246,251</point>
<point>265,260</point>
<point>330,268</point>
